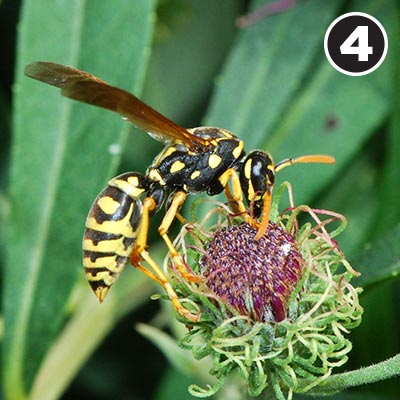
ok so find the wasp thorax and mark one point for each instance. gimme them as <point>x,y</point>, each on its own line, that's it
<point>256,277</point>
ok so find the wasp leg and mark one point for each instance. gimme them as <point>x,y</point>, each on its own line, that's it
<point>180,218</point>
<point>139,254</point>
<point>172,213</point>
<point>164,282</point>
<point>235,197</point>
<point>141,241</point>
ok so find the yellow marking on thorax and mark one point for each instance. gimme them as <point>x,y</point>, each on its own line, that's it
<point>176,166</point>
<point>168,151</point>
<point>155,176</point>
<point>108,205</point>
<point>226,133</point>
<point>164,154</point>
<point>214,160</point>
<point>194,175</point>
<point>237,151</point>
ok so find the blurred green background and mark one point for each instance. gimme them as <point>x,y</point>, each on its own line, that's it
<point>270,84</point>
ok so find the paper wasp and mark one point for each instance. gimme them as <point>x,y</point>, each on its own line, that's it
<point>203,159</point>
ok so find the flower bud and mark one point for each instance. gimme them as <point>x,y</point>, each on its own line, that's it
<point>277,309</point>
<point>256,277</point>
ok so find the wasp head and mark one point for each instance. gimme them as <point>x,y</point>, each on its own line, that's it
<point>257,178</point>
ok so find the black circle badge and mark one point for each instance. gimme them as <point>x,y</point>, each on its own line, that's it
<point>356,43</point>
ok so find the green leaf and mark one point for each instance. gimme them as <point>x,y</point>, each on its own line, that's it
<point>266,67</point>
<point>380,260</point>
<point>357,185</point>
<point>174,385</point>
<point>389,213</point>
<point>92,322</point>
<point>278,92</point>
<point>4,139</point>
<point>333,114</point>
<point>60,159</point>
<point>264,71</point>
<point>305,130</point>
<point>178,88</point>
<point>181,359</point>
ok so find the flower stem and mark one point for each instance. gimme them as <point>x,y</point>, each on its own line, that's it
<point>373,373</point>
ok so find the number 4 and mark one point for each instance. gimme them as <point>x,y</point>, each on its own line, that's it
<point>362,48</point>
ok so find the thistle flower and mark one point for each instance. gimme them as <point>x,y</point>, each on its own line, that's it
<point>256,277</point>
<point>277,310</point>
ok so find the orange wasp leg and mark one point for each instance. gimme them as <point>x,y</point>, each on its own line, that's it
<point>235,197</point>
<point>156,273</point>
<point>172,213</point>
<point>164,282</point>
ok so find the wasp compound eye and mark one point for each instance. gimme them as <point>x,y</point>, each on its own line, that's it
<point>256,277</point>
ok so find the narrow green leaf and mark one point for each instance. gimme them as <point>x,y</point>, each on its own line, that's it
<point>353,107</point>
<point>334,114</point>
<point>174,385</point>
<point>4,137</point>
<point>181,36</point>
<point>84,331</point>
<point>278,92</point>
<point>389,213</point>
<point>4,145</point>
<point>357,185</point>
<point>266,67</point>
<point>60,159</point>
<point>380,260</point>
<point>181,359</point>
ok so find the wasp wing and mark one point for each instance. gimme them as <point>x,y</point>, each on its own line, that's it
<point>82,86</point>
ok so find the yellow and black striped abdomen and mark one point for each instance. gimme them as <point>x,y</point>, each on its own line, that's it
<point>111,230</point>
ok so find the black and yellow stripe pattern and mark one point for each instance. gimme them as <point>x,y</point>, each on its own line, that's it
<point>111,230</point>
<point>202,159</point>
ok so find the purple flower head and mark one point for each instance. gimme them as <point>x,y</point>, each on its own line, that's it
<point>256,277</point>
<point>277,309</point>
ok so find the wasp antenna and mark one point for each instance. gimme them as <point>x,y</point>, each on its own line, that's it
<point>314,158</point>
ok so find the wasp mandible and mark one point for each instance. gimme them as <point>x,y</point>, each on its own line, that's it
<point>203,159</point>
